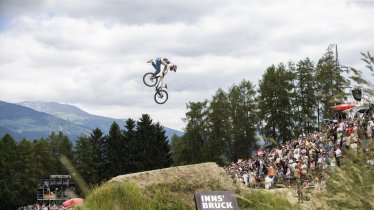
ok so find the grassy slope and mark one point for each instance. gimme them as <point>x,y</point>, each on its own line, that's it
<point>173,188</point>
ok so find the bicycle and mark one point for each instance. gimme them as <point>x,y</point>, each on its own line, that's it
<point>149,79</point>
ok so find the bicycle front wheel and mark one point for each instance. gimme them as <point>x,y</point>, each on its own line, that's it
<point>161,96</point>
<point>149,79</point>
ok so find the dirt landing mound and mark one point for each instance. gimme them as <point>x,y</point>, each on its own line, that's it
<point>174,188</point>
<point>198,173</point>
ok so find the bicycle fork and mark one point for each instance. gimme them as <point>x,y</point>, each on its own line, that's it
<point>160,84</point>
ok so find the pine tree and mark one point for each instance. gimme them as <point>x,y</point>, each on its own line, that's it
<point>97,140</point>
<point>27,175</point>
<point>84,159</point>
<point>61,146</point>
<point>145,136</point>
<point>114,145</point>
<point>133,149</point>
<point>220,128</point>
<point>178,150</point>
<point>9,182</point>
<point>244,118</point>
<point>196,134</point>
<point>45,163</point>
<point>331,84</point>
<point>274,103</point>
<point>148,145</point>
<point>305,103</point>
<point>161,149</point>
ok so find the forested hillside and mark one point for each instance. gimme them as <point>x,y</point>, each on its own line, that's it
<point>140,145</point>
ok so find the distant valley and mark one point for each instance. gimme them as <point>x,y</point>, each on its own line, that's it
<point>35,119</point>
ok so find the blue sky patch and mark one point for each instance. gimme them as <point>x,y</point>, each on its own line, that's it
<point>4,22</point>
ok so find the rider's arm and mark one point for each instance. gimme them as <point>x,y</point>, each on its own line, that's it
<point>167,66</point>
<point>164,63</point>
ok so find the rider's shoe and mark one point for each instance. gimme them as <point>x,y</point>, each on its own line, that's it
<point>166,86</point>
<point>150,61</point>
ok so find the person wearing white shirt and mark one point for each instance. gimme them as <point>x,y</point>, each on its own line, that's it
<point>338,154</point>
<point>369,131</point>
<point>168,66</point>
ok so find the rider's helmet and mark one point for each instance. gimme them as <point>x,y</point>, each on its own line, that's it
<point>174,68</point>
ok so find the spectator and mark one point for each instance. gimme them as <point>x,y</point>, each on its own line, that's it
<point>338,154</point>
<point>288,176</point>
<point>369,131</point>
<point>332,162</point>
<point>354,145</point>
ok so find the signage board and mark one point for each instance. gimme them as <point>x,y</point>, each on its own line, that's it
<point>216,200</point>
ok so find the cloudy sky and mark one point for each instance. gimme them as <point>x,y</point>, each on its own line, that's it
<point>93,53</point>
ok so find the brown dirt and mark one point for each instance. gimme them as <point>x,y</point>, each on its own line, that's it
<point>201,173</point>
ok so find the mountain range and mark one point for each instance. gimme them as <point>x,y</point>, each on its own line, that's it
<point>35,119</point>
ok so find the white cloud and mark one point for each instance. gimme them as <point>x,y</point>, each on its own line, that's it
<point>93,53</point>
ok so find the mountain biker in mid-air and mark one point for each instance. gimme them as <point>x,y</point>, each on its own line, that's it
<point>168,66</point>
<point>153,80</point>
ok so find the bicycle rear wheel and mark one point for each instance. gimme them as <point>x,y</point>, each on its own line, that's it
<point>149,79</point>
<point>161,96</point>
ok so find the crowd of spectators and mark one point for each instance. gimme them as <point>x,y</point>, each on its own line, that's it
<point>309,158</point>
<point>43,207</point>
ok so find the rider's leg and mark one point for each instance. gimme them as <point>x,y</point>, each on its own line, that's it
<point>157,66</point>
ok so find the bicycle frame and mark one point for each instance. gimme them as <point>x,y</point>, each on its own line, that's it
<point>160,82</point>
<point>150,80</point>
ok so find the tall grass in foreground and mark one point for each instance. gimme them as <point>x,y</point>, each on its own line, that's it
<point>126,195</point>
<point>175,195</point>
<point>261,200</point>
<point>117,196</point>
<point>352,186</point>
